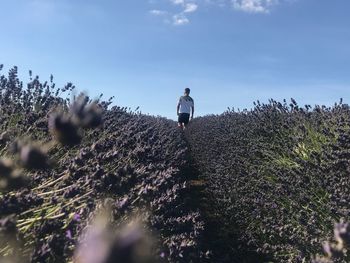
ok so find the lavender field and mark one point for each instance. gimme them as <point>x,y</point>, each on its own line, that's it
<point>84,181</point>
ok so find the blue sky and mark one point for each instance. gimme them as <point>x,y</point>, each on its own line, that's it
<point>145,52</point>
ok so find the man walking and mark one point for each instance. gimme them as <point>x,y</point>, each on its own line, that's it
<point>185,108</point>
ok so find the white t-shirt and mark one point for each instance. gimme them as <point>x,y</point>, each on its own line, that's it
<point>186,103</point>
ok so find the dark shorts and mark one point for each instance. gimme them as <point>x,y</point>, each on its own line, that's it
<point>184,118</point>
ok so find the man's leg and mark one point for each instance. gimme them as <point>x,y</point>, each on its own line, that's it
<point>181,121</point>
<point>186,121</point>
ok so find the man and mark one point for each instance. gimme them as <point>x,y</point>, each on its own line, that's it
<point>184,109</point>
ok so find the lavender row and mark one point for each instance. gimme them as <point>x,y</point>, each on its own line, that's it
<point>277,179</point>
<point>76,157</point>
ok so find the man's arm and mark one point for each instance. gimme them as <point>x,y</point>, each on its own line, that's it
<point>192,112</point>
<point>178,108</point>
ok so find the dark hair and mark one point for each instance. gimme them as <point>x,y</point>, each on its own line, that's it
<point>187,90</point>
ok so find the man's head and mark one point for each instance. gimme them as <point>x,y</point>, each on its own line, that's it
<point>187,91</point>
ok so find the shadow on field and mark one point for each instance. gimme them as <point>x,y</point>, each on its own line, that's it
<point>221,244</point>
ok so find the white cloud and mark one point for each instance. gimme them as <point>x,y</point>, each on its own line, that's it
<point>157,12</point>
<point>190,8</point>
<point>180,17</point>
<point>187,7</point>
<point>178,2</point>
<point>180,20</point>
<point>254,6</point>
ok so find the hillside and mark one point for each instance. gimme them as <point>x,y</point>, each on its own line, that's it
<point>63,161</point>
<point>277,180</point>
<point>84,181</point>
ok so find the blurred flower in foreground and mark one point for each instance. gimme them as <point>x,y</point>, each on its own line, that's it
<point>342,234</point>
<point>336,250</point>
<point>82,114</point>
<point>64,130</point>
<point>11,179</point>
<point>85,114</point>
<point>33,157</point>
<point>128,244</point>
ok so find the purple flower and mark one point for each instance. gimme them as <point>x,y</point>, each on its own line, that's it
<point>69,234</point>
<point>76,217</point>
